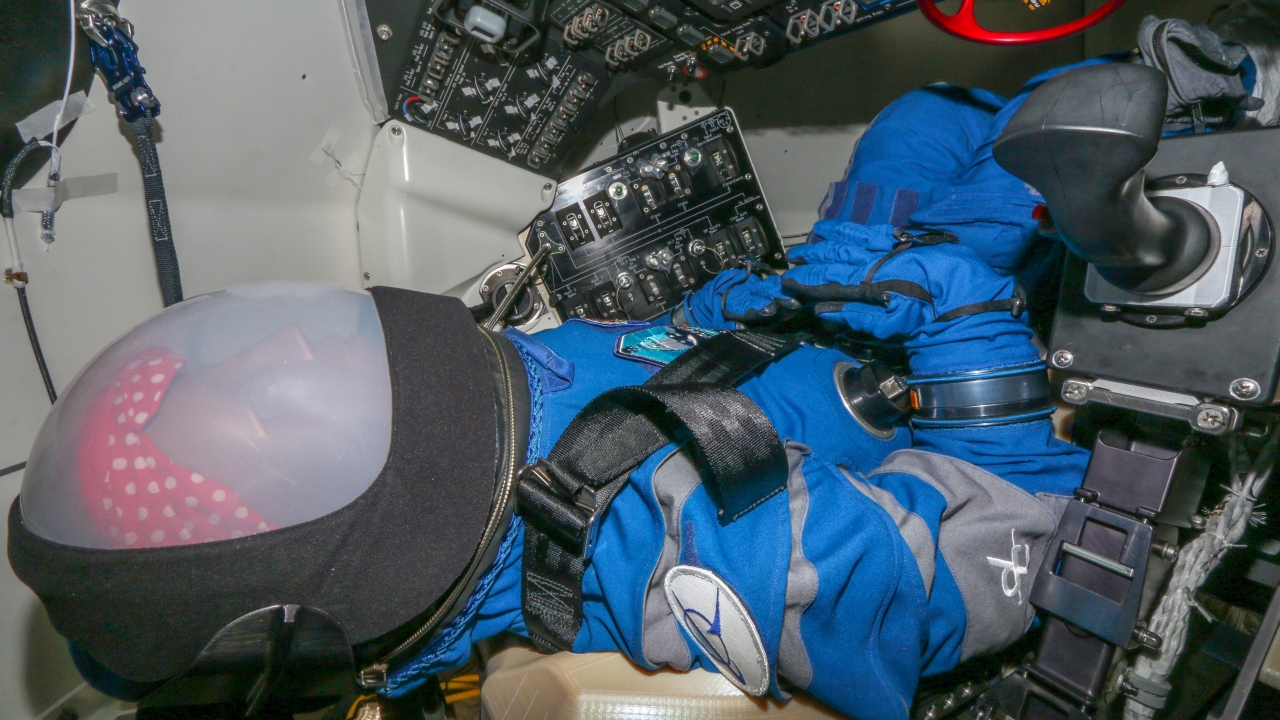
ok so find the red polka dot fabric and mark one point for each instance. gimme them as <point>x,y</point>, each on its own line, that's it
<point>135,494</point>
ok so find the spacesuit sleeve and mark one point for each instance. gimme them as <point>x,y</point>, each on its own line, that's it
<point>990,498</point>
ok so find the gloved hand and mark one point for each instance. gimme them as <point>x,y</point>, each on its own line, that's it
<point>734,298</point>
<point>1200,68</point>
<point>955,313</point>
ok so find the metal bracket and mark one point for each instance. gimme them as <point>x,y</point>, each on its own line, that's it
<point>1019,697</point>
<point>1206,417</point>
<point>1108,619</point>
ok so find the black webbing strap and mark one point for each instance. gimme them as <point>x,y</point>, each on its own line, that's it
<point>725,358</point>
<point>157,210</point>
<point>1014,305</point>
<point>563,496</point>
<point>833,296</point>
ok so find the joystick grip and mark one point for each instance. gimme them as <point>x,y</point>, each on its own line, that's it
<point>1083,139</point>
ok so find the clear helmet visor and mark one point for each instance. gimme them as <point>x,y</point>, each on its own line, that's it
<point>229,414</point>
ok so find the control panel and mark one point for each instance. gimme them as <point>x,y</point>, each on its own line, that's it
<point>518,79</point>
<point>629,237</point>
<point>480,95</point>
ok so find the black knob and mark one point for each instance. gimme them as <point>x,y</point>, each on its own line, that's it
<point>1083,139</point>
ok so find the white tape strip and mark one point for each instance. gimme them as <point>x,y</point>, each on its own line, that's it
<point>45,199</point>
<point>40,123</point>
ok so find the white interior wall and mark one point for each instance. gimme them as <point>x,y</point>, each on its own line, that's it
<point>240,126</point>
<point>237,130</point>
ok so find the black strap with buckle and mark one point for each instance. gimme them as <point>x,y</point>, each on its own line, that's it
<point>833,296</point>
<point>563,496</point>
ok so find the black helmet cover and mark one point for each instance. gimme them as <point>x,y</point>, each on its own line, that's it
<point>377,564</point>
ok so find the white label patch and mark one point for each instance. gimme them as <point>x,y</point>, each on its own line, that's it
<point>713,615</point>
<point>1011,571</point>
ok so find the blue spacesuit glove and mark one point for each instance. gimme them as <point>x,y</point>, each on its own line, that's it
<point>954,313</point>
<point>733,299</point>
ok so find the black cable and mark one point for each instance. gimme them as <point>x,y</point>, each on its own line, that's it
<point>12,469</point>
<point>35,345</point>
<point>6,197</point>
<point>6,209</point>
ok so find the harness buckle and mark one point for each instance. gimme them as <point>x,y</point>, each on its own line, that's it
<point>567,511</point>
<point>373,677</point>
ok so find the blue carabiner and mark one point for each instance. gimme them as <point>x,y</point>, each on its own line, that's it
<point>117,60</point>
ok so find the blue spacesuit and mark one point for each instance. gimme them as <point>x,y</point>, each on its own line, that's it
<point>884,559</point>
<point>926,160</point>
<point>888,555</point>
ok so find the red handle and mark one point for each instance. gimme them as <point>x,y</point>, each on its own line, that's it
<point>964,25</point>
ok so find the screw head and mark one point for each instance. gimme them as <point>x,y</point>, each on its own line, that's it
<point>366,276</point>
<point>1181,180</point>
<point>395,130</point>
<point>1151,319</point>
<point>1260,252</point>
<point>384,32</point>
<point>1199,522</point>
<point>548,187</point>
<point>1063,358</point>
<point>1245,389</point>
<point>1210,418</point>
<point>1074,391</point>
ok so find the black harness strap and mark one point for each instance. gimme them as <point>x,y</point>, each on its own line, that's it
<point>157,210</point>
<point>1013,305</point>
<point>564,495</point>
<point>833,296</point>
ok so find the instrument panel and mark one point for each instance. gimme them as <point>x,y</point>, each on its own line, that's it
<point>628,238</point>
<point>518,79</point>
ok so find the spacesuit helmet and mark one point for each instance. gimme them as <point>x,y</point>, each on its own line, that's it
<point>267,446</point>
